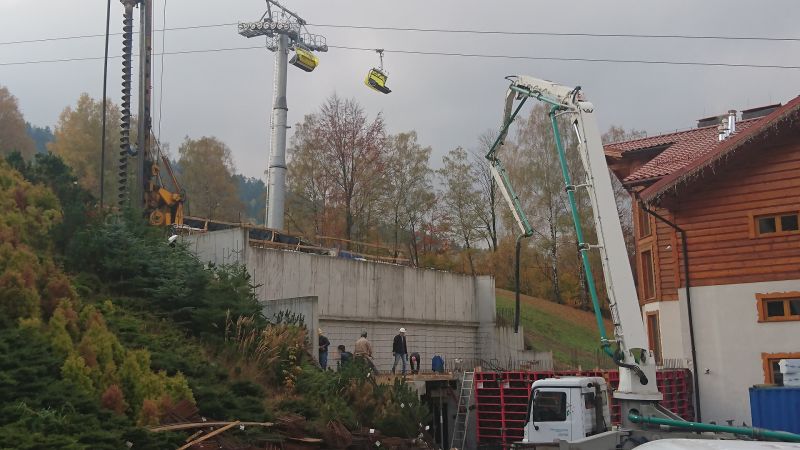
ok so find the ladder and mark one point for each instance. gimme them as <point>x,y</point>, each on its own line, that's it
<point>462,415</point>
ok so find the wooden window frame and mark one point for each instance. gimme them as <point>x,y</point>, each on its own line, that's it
<point>657,354</point>
<point>767,366</point>
<point>648,218</point>
<point>653,265</point>
<point>761,305</point>
<point>777,212</point>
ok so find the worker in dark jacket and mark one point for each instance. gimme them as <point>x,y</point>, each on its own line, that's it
<point>324,342</point>
<point>400,350</point>
<point>344,356</point>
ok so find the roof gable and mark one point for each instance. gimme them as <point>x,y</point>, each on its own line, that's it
<point>688,152</point>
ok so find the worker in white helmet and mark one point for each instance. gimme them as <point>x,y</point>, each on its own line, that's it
<point>400,350</point>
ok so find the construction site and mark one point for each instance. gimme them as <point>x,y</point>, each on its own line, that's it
<point>642,290</point>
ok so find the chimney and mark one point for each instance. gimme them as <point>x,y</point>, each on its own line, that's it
<point>727,125</point>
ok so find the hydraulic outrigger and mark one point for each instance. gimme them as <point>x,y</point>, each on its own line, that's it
<point>157,203</point>
<point>573,412</point>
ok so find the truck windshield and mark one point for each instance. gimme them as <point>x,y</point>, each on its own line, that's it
<point>550,406</point>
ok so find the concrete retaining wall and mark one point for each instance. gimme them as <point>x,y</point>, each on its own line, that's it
<point>307,306</point>
<point>446,314</point>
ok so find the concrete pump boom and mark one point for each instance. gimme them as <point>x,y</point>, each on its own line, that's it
<point>636,362</point>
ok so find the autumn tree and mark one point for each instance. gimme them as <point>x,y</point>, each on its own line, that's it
<point>488,188</point>
<point>310,188</point>
<point>462,201</point>
<point>343,152</point>
<point>13,132</point>
<point>621,196</point>
<point>408,183</point>
<point>539,171</point>
<point>77,140</point>
<point>207,172</point>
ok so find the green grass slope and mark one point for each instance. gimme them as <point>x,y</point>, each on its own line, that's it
<point>571,334</point>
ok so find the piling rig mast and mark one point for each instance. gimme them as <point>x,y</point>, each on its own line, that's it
<point>147,193</point>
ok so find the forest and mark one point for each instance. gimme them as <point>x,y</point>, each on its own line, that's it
<point>348,178</point>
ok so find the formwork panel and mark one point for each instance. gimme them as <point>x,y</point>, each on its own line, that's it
<point>501,399</point>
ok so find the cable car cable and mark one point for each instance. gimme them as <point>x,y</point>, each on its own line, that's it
<point>455,31</point>
<point>454,54</point>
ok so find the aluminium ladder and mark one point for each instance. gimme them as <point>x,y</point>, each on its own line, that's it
<point>462,416</point>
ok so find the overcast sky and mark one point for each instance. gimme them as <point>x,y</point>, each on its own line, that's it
<point>449,101</point>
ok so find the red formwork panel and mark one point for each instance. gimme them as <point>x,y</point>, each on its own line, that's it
<point>501,399</point>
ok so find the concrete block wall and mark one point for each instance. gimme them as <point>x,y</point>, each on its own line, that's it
<point>426,339</point>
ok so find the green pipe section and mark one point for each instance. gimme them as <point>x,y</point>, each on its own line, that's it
<point>504,130</point>
<point>562,158</point>
<point>755,433</point>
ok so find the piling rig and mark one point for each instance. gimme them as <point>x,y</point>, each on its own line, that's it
<point>148,192</point>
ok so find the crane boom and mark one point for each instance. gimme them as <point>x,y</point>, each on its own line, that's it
<point>636,362</point>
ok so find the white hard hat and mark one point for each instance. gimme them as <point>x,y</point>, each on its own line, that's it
<point>402,330</point>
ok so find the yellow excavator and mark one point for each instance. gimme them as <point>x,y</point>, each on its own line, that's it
<point>377,77</point>
<point>162,206</point>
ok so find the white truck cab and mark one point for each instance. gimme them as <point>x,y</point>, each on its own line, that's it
<point>568,409</point>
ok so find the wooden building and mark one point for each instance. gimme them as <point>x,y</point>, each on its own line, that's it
<point>717,221</point>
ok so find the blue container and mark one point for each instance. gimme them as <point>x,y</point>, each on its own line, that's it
<point>776,408</point>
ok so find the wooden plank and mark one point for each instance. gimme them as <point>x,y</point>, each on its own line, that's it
<point>745,278</point>
<point>714,212</point>
<point>209,435</point>
<point>190,425</point>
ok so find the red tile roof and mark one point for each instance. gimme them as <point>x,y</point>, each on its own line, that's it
<point>683,147</point>
<point>788,115</point>
<point>688,152</point>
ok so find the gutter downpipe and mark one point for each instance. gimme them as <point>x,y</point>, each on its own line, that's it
<point>755,433</point>
<point>684,249</point>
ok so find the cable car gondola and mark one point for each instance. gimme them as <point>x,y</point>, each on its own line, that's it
<point>377,77</point>
<point>304,59</point>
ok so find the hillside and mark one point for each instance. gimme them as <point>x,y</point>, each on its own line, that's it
<point>107,331</point>
<point>571,334</point>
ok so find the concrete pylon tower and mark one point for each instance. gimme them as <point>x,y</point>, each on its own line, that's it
<point>284,32</point>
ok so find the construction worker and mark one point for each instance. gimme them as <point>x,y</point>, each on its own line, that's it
<point>400,350</point>
<point>324,343</point>
<point>344,356</point>
<point>363,350</point>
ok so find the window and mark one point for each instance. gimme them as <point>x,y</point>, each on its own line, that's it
<point>549,406</point>
<point>654,335</point>
<point>648,275</point>
<point>778,306</point>
<point>777,224</point>
<point>644,224</point>
<point>771,364</point>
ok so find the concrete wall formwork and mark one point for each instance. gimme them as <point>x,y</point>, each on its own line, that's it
<point>730,341</point>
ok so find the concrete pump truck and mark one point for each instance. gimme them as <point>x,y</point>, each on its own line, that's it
<point>573,412</point>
